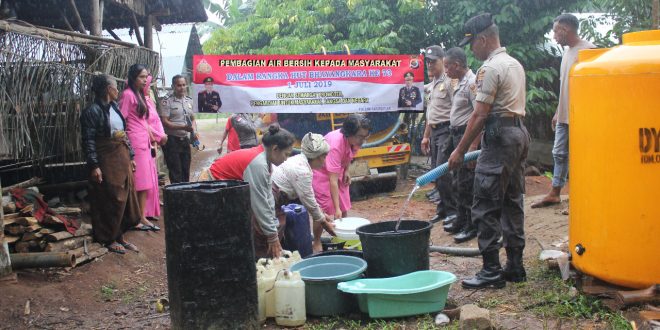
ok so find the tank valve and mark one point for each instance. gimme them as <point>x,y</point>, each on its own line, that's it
<point>579,249</point>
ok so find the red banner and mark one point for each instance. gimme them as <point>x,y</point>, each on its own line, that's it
<point>308,83</point>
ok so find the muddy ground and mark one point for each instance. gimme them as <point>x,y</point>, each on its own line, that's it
<point>118,292</point>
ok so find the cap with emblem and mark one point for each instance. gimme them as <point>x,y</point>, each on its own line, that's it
<point>434,52</point>
<point>208,80</point>
<point>474,26</point>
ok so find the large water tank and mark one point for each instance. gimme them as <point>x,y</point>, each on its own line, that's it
<point>615,161</point>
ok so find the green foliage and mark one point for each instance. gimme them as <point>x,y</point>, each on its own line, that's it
<point>305,26</point>
<point>626,16</point>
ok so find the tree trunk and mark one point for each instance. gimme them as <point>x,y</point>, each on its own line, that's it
<point>5,264</point>
<point>148,32</point>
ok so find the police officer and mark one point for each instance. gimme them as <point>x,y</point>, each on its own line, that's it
<point>208,100</point>
<point>409,96</point>
<point>436,132</point>
<point>176,114</point>
<point>499,184</point>
<point>462,107</point>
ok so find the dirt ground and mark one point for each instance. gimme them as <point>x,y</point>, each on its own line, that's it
<point>118,292</point>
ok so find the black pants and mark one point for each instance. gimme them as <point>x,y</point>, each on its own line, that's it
<point>499,186</point>
<point>462,180</point>
<point>440,137</point>
<point>177,158</point>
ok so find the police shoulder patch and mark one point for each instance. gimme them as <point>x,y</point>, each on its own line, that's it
<point>480,77</point>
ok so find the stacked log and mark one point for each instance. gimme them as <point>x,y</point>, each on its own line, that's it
<point>24,234</point>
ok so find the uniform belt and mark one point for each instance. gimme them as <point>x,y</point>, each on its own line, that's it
<point>457,129</point>
<point>509,121</point>
<point>440,125</point>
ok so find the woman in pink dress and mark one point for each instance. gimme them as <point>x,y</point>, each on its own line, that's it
<point>331,183</point>
<point>145,132</point>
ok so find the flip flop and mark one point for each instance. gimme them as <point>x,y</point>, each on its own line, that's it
<point>154,227</point>
<point>130,246</point>
<point>116,248</point>
<point>542,203</point>
<point>141,227</point>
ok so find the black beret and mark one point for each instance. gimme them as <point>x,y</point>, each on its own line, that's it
<point>474,26</point>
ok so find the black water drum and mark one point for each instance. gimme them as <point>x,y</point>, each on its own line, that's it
<point>390,253</point>
<point>211,273</point>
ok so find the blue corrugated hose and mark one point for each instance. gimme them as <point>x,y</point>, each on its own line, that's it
<point>441,170</point>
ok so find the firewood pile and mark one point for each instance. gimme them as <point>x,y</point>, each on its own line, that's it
<point>24,234</point>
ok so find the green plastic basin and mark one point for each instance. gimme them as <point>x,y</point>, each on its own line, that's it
<point>321,275</point>
<point>416,293</point>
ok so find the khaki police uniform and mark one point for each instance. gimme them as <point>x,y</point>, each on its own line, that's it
<point>499,183</point>
<point>463,101</point>
<point>437,117</point>
<point>177,149</point>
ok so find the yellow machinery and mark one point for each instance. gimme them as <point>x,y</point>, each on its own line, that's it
<point>615,161</point>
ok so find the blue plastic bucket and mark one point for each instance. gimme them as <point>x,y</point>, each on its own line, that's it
<point>321,275</point>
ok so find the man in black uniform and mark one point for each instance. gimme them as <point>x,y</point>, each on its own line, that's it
<point>409,96</point>
<point>499,184</point>
<point>208,100</point>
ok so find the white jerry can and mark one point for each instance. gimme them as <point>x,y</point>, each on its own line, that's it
<point>290,300</point>
<point>265,281</point>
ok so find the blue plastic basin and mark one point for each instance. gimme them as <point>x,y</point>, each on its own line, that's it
<point>321,275</point>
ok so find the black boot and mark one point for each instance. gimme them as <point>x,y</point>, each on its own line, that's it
<point>436,218</point>
<point>468,233</point>
<point>431,192</point>
<point>490,276</point>
<point>449,219</point>
<point>514,271</point>
<point>454,226</point>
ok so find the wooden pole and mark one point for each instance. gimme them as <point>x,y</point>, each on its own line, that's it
<point>66,21</point>
<point>148,32</point>
<point>5,263</point>
<point>76,14</point>
<point>113,34</point>
<point>95,18</point>
<point>136,29</point>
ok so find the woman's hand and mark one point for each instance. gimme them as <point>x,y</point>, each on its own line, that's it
<point>275,249</point>
<point>346,179</point>
<point>338,214</point>
<point>133,165</point>
<point>97,176</point>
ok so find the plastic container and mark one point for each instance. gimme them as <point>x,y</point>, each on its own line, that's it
<point>392,254</point>
<point>211,274</point>
<point>350,253</point>
<point>412,294</point>
<point>614,115</point>
<point>297,233</point>
<point>321,275</point>
<point>345,229</point>
<point>290,300</point>
<point>265,282</point>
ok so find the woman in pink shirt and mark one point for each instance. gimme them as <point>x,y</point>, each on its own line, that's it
<point>145,131</point>
<point>331,183</point>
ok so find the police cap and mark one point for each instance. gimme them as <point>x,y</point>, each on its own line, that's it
<point>474,26</point>
<point>434,52</point>
<point>208,79</point>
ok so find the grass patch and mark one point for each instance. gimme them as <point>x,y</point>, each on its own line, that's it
<point>548,296</point>
<point>489,303</point>
<point>108,291</point>
<point>133,294</point>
